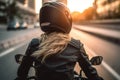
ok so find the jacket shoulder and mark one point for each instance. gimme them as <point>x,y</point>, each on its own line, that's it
<point>76,43</point>
<point>32,46</point>
<point>34,42</point>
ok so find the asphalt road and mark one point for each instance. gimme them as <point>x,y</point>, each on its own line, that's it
<point>8,66</point>
<point>96,46</point>
<point>109,69</point>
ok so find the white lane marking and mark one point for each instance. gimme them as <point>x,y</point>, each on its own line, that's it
<point>112,71</point>
<point>11,49</point>
<point>6,52</point>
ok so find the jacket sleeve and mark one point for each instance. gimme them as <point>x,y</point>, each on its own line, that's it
<point>27,60</point>
<point>24,68</point>
<point>86,66</point>
<point>25,65</point>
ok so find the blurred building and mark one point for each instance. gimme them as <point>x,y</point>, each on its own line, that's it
<point>108,8</point>
<point>3,9</point>
<point>28,10</point>
<point>23,9</point>
<point>31,4</point>
<point>28,3</point>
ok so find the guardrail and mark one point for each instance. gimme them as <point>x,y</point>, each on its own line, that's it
<point>106,21</point>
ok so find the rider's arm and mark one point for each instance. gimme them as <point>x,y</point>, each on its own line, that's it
<point>27,60</point>
<point>86,66</point>
<point>24,68</point>
<point>25,65</point>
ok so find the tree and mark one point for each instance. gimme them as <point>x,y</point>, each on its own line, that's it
<point>89,13</point>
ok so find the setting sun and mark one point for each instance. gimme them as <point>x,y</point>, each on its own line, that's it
<point>79,5</point>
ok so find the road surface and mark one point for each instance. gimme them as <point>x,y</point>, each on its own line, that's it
<point>109,69</point>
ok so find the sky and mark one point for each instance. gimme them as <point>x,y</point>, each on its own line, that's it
<point>79,5</point>
<point>38,4</point>
<point>73,5</point>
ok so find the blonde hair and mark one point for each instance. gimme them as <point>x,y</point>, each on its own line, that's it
<point>53,43</point>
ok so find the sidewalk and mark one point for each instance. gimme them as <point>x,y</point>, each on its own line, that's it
<point>18,38</point>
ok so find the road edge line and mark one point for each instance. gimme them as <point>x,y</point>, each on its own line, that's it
<point>12,49</point>
<point>105,65</point>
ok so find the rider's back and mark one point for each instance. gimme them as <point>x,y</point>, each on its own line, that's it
<point>60,66</point>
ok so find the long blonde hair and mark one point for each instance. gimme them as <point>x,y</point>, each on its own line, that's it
<point>51,44</point>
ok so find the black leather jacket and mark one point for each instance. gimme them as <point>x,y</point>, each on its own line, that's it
<point>59,66</point>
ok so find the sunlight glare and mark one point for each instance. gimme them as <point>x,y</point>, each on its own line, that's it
<point>38,4</point>
<point>74,5</point>
<point>79,5</point>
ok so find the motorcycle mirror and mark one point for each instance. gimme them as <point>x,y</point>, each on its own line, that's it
<point>18,58</point>
<point>97,60</point>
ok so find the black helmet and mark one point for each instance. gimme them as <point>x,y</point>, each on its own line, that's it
<point>55,16</point>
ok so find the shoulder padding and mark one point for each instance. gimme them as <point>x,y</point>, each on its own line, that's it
<point>75,43</point>
<point>32,46</point>
<point>34,42</point>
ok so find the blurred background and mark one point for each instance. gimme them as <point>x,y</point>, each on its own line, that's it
<point>96,23</point>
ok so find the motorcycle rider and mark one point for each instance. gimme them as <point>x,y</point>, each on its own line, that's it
<point>57,53</point>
